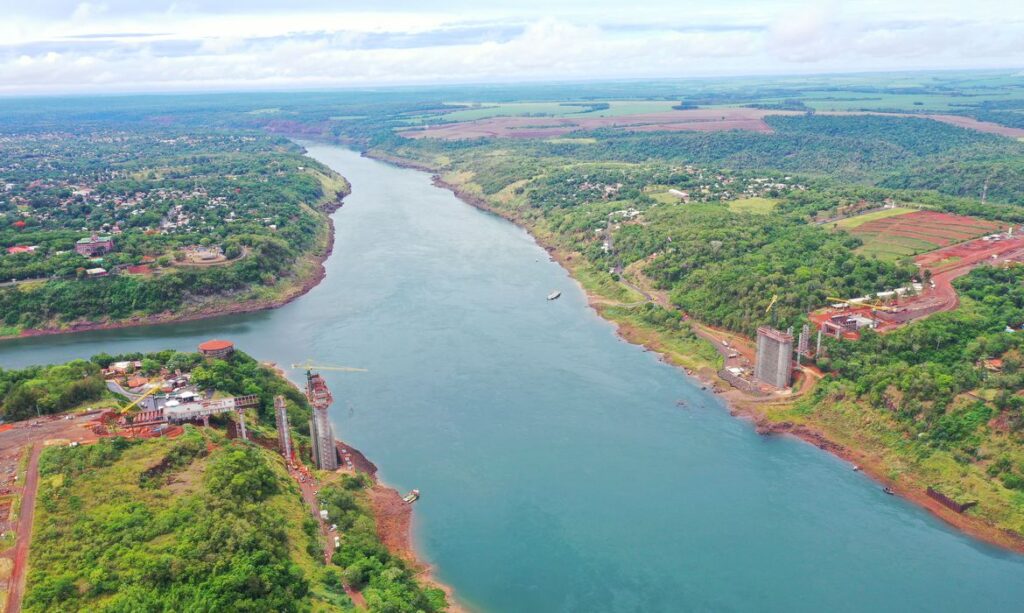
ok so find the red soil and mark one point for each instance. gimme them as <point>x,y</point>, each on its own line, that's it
<point>981,126</point>
<point>937,228</point>
<point>946,265</point>
<point>703,120</point>
<point>16,585</point>
<point>968,123</point>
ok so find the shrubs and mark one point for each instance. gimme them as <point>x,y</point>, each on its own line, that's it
<point>103,543</point>
<point>387,583</point>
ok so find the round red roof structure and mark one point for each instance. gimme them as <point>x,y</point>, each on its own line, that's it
<point>216,345</point>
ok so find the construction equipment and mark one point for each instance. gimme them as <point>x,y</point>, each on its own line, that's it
<point>309,365</point>
<point>142,397</point>
<point>874,304</point>
<point>775,299</point>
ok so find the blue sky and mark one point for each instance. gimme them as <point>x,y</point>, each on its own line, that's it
<point>68,46</point>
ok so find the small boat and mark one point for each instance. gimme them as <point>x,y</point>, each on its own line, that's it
<point>555,295</point>
<point>856,468</point>
<point>888,490</point>
<point>411,497</point>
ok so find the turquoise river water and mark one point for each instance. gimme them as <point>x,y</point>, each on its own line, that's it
<point>557,471</point>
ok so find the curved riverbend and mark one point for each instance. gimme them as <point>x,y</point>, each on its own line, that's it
<point>558,472</point>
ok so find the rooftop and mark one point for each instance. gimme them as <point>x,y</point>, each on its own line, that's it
<point>215,345</point>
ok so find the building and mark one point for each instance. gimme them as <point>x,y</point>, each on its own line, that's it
<point>774,357</point>
<point>321,434</point>
<point>94,245</point>
<point>22,249</point>
<point>847,324</point>
<point>217,348</point>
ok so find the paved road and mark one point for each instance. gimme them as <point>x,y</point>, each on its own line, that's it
<point>24,532</point>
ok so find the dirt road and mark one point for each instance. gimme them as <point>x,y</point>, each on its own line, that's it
<point>24,532</point>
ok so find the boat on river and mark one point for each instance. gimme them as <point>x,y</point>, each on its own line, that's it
<point>555,295</point>
<point>411,497</point>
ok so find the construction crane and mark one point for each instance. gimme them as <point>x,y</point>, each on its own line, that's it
<point>142,397</point>
<point>309,365</point>
<point>775,299</point>
<point>869,303</point>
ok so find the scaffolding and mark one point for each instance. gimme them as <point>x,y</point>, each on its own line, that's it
<point>284,437</point>
<point>325,453</point>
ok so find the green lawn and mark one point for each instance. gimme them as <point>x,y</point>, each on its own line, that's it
<point>854,222</point>
<point>760,206</point>
<point>894,247</point>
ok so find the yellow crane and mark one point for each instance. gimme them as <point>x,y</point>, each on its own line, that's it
<point>310,365</point>
<point>775,299</point>
<point>148,393</point>
<point>870,303</point>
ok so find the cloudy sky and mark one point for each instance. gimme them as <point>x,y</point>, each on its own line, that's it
<point>68,46</point>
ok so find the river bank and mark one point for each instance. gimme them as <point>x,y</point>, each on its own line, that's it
<point>394,522</point>
<point>908,485</point>
<point>391,513</point>
<point>310,269</point>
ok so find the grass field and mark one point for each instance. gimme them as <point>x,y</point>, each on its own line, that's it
<point>616,108</point>
<point>853,222</point>
<point>760,206</point>
<point>514,109</point>
<point>894,233</point>
<point>894,247</point>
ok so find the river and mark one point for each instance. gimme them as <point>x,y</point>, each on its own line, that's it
<point>558,472</point>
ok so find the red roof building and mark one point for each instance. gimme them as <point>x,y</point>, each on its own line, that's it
<point>217,348</point>
<point>135,382</point>
<point>22,249</point>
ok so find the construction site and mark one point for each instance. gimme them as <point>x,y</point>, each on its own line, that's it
<point>775,361</point>
<point>885,311</point>
<point>158,406</point>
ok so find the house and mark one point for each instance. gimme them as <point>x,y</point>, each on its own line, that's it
<point>22,249</point>
<point>96,272</point>
<point>94,245</point>
<point>136,382</point>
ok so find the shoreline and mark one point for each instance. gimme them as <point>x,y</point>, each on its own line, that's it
<point>869,464</point>
<point>392,515</point>
<point>239,308</point>
<point>394,524</point>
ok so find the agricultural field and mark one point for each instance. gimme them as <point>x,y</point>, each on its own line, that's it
<point>474,111</point>
<point>858,220</point>
<point>701,120</point>
<point>892,235</point>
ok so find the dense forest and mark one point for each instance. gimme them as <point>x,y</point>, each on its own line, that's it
<point>110,538</point>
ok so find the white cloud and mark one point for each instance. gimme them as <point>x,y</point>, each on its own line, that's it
<point>88,10</point>
<point>174,47</point>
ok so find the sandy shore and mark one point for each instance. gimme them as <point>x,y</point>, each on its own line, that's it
<point>739,406</point>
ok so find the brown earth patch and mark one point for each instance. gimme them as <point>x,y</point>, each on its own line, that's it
<point>702,120</point>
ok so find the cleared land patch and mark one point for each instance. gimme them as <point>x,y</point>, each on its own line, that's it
<point>760,206</point>
<point>702,120</point>
<point>911,233</point>
<point>853,222</point>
